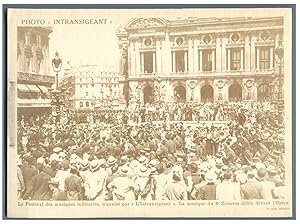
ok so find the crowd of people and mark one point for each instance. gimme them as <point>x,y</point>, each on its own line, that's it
<point>124,155</point>
<point>190,111</point>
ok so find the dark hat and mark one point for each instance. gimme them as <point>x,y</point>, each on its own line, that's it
<point>65,164</point>
<point>160,168</point>
<point>54,164</point>
<point>40,167</point>
<point>193,168</point>
<point>123,160</point>
<point>30,160</point>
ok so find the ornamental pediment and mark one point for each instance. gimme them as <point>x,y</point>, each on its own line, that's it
<point>146,23</point>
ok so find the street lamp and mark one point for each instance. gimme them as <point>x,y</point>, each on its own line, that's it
<point>56,65</point>
<point>279,51</point>
<point>158,85</point>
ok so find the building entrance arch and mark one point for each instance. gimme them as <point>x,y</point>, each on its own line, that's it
<point>263,92</point>
<point>207,93</point>
<point>148,94</point>
<point>180,93</point>
<point>235,92</point>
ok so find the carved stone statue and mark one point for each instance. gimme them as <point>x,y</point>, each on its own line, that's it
<point>124,61</point>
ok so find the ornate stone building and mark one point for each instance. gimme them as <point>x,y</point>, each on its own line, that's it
<point>199,60</point>
<point>90,86</point>
<point>33,71</point>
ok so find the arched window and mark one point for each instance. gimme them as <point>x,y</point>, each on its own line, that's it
<point>263,92</point>
<point>235,92</point>
<point>81,104</point>
<point>87,104</point>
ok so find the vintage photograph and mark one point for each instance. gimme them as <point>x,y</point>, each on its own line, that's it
<point>189,108</point>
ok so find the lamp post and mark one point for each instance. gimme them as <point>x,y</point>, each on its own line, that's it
<point>158,84</point>
<point>279,51</point>
<point>56,65</point>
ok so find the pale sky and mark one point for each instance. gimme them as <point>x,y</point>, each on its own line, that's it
<point>98,44</point>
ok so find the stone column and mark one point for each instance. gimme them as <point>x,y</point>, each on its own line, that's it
<point>158,57</point>
<point>271,57</point>
<point>252,53</point>
<point>277,38</point>
<point>190,56</point>
<point>166,55</point>
<point>137,58</point>
<point>218,55</point>
<point>185,61</point>
<point>132,58</point>
<point>242,59</point>
<point>196,60</point>
<point>200,60</point>
<point>228,60</point>
<point>257,59</point>
<point>213,59</point>
<point>247,53</point>
<point>223,55</point>
<point>226,90</point>
<point>142,62</point>
<point>173,62</point>
<point>129,59</point>
<point>154,61</point>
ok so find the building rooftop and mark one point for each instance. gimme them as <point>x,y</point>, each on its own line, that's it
<point>155,22</point>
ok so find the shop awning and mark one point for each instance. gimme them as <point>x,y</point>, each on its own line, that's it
<point>34,88</point>
<point>43,88</point>
<point>23,87</point>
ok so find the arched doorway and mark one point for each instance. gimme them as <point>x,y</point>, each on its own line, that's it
<point>207,93</point>
<point>235,92</point>
<point>180,93</point>
<point>148,94</point>
<point>263,92</point>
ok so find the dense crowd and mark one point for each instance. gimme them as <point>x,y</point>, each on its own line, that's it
<point>139,113</point>
<point>125,155</point>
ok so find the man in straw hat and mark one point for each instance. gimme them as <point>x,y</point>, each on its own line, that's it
<point>73,185</point>
<point>62,174</point>
<point>40,188</point>
<point>122,187</point>
<point>96,181</point>
<point>29,171</point>
<point>267,188</point>
<point>176,189</point>
<point>228,190</point>
<point>250,189</point>
<point>146,184</point>
<point>57,195</point>
<point>206,191</point>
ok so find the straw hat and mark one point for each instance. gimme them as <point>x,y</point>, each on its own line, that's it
<point>143,159</point>
<point>144,171</point>
<point>57,149</point>
<point>210,177</point>
<point>53,181</point>
<point>84,164</point>
<point>94,165</point>
<point>111,160</point>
